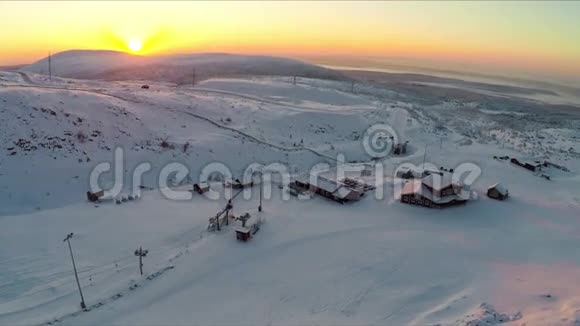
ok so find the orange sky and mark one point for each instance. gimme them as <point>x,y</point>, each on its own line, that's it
<point>525,37</point>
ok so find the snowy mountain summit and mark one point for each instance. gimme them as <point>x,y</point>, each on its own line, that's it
<point>179,68</point>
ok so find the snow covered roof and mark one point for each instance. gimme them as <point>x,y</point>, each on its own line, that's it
<point>437,182</point>
<point>418,187</point>
<point>344,192</point>
<point>327,184</point>
<point>242,229</point>
<point>412,187</point>
<point>334,187</point>
<point>500,188</point>
<point>319,181</point>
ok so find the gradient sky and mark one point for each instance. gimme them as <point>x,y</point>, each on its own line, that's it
<point>541,38</point>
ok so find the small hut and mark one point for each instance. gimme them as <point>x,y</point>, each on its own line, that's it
<point>201,187</point>
<point>400,148</point>
<point>250,226</point>
<point>434,191</point>
<point>237,184</point>
<point>94,196</point>
<point>243,234</point>
<point>295,190</point>
<point>497,191</point>
<point>331,189</point>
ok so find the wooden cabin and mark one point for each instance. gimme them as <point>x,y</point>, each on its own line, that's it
<point>554,165</point>
<point>516,162</point>
<point>532,166</point>
<point>295,190</point>
<point>201,187</point>
<point>94,196</point>
<point>250,226</point>
<point>330,189</point>
<point>400,149</point>
<point>243,234</point>
<point>434,191</point>
<point>237,184</point>
<point>497,191</point>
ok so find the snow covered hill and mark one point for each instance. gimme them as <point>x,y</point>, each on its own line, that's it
<point>371,262</point>
<point>114,65</point>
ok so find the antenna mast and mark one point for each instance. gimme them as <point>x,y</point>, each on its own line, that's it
<point>424,156</point>
<point>50,66</point>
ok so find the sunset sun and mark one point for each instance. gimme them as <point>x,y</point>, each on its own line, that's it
<point>135,45</point>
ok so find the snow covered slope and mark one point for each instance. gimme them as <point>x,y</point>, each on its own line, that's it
<point>372,262</point>
<point>113,65</point>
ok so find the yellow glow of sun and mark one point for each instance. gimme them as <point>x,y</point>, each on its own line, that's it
<point>135,45</point>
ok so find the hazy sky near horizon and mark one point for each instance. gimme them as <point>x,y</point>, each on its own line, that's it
<point>541,38</point>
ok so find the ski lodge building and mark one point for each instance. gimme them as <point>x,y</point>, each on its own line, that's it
<point>435,191</point>
<point>497,191</point>
<point>328,188</point>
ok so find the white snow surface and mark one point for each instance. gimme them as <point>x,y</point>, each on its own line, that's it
<point>115,65</point>
<point>313,262</point>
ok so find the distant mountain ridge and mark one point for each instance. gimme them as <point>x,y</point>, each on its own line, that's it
<point>177,68</point>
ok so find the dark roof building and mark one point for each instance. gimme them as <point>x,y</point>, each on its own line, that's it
<point>434,191</point>
<point>328,188</point>
<point>497,191</point>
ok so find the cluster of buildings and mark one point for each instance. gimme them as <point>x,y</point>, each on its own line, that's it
<point>435,191</point>
<point>534,166</point>
<point>538,167</point>
<point>340,191</point>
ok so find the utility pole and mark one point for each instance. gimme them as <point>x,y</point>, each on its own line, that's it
<point>228,207</point>
<point>193,77</point>
<point>217,220</point>
<point>261,189</point>
<point>67,240</point>
<point>141,253</point>
<point>424,156</point>
<point>294,82</point>
<point>50,66</point>
<point>352,86</point>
